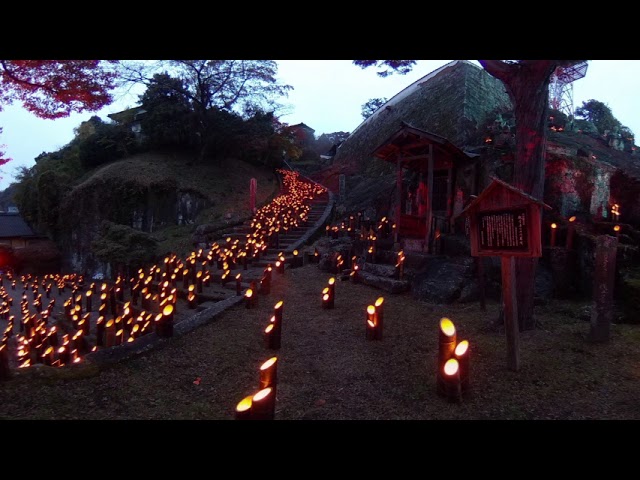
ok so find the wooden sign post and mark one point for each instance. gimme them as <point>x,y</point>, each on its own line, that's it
<point>505,222</point>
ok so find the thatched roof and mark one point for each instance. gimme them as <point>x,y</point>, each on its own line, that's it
<point>411,144</point>
<point>452,101</point>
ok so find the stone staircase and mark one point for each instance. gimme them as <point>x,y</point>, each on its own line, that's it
<point>285,243</point>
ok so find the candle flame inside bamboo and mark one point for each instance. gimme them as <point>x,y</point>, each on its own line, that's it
<point>447,327</point>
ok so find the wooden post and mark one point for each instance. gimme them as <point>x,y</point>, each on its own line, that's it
<point>481,282</point>
<point>429,197</point>
<point>510,306</point>
<point>398,197</point>
<point>253,188</point>
<point>603,285</point>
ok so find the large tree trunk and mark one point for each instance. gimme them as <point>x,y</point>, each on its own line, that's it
<point>527,83</point>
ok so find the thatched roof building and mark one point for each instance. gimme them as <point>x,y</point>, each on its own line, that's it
<point>453,101</point>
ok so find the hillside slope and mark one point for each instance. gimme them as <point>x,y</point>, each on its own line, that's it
<point>165,195</point>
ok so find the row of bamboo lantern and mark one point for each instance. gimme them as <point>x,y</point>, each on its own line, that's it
<point>553,228</point>
<point>261,405</point>
<point>287,211</point>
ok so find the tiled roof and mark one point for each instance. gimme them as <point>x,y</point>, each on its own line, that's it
<point>13,225</point>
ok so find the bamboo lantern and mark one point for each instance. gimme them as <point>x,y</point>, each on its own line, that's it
<point>354,275</point>
<point>451,380</point>
<point>462,355</point>
<point>296,261</point>
<point>265,284</point>
<point>269,373</point>
<point>238,284</point>
<point>370,331</point>
<point>100,323</point>
<point>191,297</point>
<point>325,297</point>
<point>379,317</point>
<point>243,409</point>
<point>446,348</point>
<point>88,295</point>
<point>167,321</point>
<point>332,292</point>
<point>109,333</point>
<point>185,279</point>
<point>616,230</point>
<point>273,331</point>
<point>263,405</point>
<point>250,298</point>
<point>199,281</point>
<point>554,227</point>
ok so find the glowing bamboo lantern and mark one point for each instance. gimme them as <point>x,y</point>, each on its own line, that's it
<point>296,261</point>
<point>354,276</point>
<point>100,323</point>
<point>185,278</point>
<point>52,336</point>
<point>446,348</point>
<point>243,409</point>
<point>191,297</point>
<point>88,295</point>
<point>224,278</point>
<point>164,324</point>
<point>250,298</point>
<point>325,297</point>
<point>462,356</point>
<point>47,356</point>
<point>370,326</point>
<point>450,374</point>
<point>332,292</point>
<point>554,227</point>
<point>616,230</point>
<point>269,373</point>
<point>199,282</point>
<point>615,212</point>
<point>371,254</point>
<point>570,232</point>
<point>273,331</point>
<point>379,317</point>
<point>239,284</point>
<point>265,283</point>
<point>400,265</point>
<point>82,325</point>
<point>109,333</point>
<point>263,405</point>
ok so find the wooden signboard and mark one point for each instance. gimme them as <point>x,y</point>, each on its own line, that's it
<point>506,222</point>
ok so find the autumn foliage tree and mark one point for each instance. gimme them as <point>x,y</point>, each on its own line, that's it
<point>56,88</point>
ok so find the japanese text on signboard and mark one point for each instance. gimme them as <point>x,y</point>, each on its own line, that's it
<point>503,230</point>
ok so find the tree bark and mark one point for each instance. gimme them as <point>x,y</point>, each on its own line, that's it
<point>527,84</point>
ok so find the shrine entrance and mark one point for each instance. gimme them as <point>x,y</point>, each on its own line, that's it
<point>426,169</point>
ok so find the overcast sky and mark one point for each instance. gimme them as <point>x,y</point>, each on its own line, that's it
<point>327,96</point>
